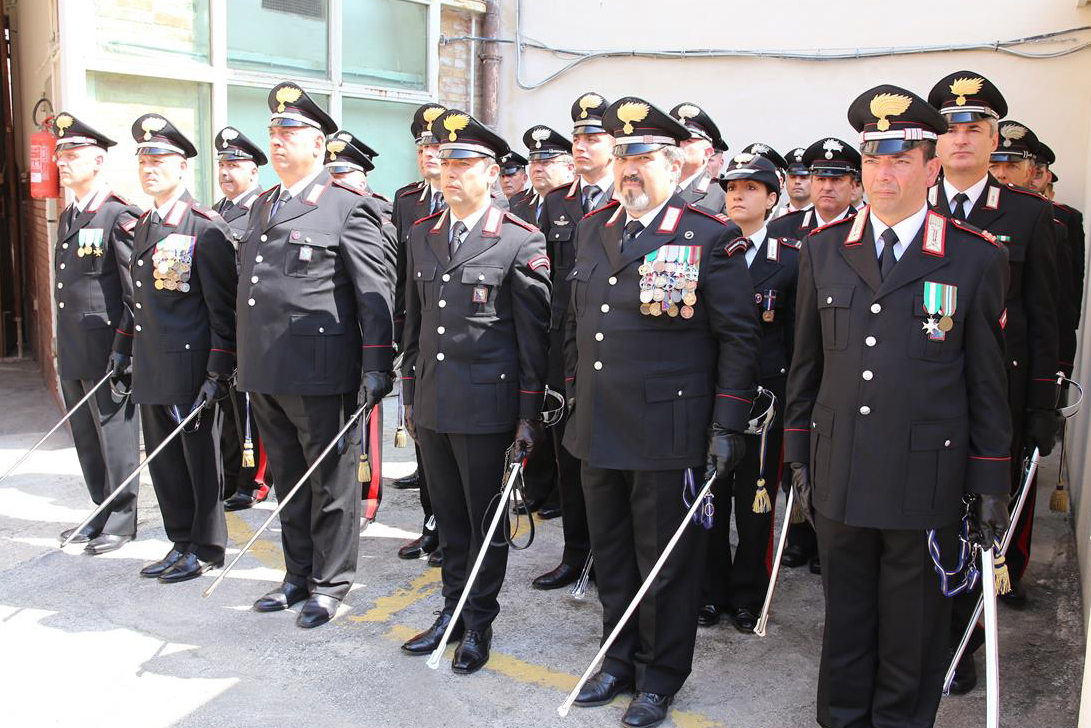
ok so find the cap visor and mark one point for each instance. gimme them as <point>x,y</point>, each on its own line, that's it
<point>462,154</point>
<point>1007,157</point>
<point>964,117</point>
<point>631,150</point>
<point>881,147</point>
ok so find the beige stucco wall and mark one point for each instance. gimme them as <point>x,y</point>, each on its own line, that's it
<point>791,103</point>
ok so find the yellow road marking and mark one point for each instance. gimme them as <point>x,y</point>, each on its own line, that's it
<point>265,551</point>
<point>528,672</point>
<point>423,586</point>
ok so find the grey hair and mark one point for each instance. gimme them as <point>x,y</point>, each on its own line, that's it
<point>674,154</point>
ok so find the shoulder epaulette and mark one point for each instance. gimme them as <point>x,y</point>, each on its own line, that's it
<point>519,221</point>
<point>792,243</point>
<point>119,198</point>
<point>377,196</point>
<point>437,213</point>
<point>205,212</point>
<point>831,224</point>
<point>736,245</point>
<point>410,191</point>
<point>968,228</point>
<point>722,217</point>
<point>267,193</point>
<point>711,216</point>
<point>608,206</point>
<point>350,188</point>
<point>131,225</point>
<point>565,187</point>
<point>1027,192</point>
<point>1064,207</point>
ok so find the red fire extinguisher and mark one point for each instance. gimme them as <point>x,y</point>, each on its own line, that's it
<point>44,179</point>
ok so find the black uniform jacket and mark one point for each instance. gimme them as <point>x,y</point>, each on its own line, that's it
<point>647,387</point>
<point>183,325</point>
<point>1023,221</point>
<point>774,274</point>
<point>1077,240</point>
<point>476,327</point>
<point>237,214</point>
<point>93,290</point>
<point>315,292</point>
<point>897,425</point>
<point>704,192</point>
<point>524,205</point>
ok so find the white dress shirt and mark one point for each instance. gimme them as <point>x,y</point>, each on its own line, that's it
<point>906,230</point>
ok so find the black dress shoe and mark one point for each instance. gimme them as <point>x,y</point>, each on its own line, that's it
<point>528,506</point>
<point>602,688</point>
<point>86,534</point>
<point>435,558</point>
<point>317,610</point>
<point>106,543</point>
<point>647,710</point>
<point>242,500</point>
<point>152,571</point>
<point>472,652</point>
<point>281,598</point>
<point>427,641</point>
<point>965,675</point>
<point>549,511</point>
<point>795,556</point>
<point>186,568</point>
<point>560,577</point>
<point>411,550</point>
<point>708,615</point>
<point>815,566</point>
<point>407,482</point>
<point>744,619</point>
<point>1016,598</point>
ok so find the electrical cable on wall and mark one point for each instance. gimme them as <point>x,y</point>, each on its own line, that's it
<point>583,55</point>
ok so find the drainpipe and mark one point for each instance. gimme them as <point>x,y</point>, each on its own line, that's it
<point>490,66</point>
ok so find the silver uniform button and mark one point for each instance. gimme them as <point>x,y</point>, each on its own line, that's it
<point>441,331</point>
<point>446,277</point>
<point>139,306</point>
<point>870,341</point>
<point>605,308</point>
<point>187,346</point>
<point>439,356</point>
<point>258,259</point>
<point>876,308</point>
<point>62,266</point>
<point>321,329</point>
<point>829,300</point>
<point>442,303</point>
<point>503,377</point>
<point>1015,363</point>
<point>138,328</point>
<point>64,246</point>
<point>481,278</point>
<point>865,410</point>
<point>679,392</point>
<point>251,302</point>
<point>60,305</point>
<point>253,279</point>
<point>598,365</point>
<point>947,443</point>
<point>867,375</point>
<point>138,284</point>
<point>264,238</point>
<point>60,285</point>
<point>140,262</point>
<point>612,281</point>
<point>599,336</point>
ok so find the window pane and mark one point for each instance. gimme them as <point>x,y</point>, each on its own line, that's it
<point>117,100</point>
<point>395,52</point>
<point>248,111</point>
<point>150,28</point>
<point>384,126</point>
<point>278,36</point>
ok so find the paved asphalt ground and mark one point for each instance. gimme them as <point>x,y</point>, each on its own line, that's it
<point>85,642</point>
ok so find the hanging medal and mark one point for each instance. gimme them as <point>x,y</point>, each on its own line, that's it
<point>769,302</point>
<point>940,302</point>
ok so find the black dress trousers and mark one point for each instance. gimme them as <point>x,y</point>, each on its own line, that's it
<point>884,652</point>
<point>633,515</point>
<point>236,476</point>
<point>108,446</point>
<point>320,526</point>
<point>186,479</point>
<point>465,476</point>
<point>577,538</point>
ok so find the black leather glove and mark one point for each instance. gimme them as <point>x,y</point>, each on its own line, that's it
<point>376,386</point>
<point>212,390</point>
<point>725,450</point>
<point>528,433</point>
<point>993,520</point>
<point>407,420</point>
<point>119,366</point>
<point>801,483</point>
<point>1040,430</point>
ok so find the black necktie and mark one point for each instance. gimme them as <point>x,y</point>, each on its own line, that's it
<point>590,195</point>
<point>958,209</point>
<point>458,231</point>
<point>284,197</point>
<point>887,259</point>
<point>227,205</point>
<point>438,203</point>
<point>70,217</point>
<point>632,229</point>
